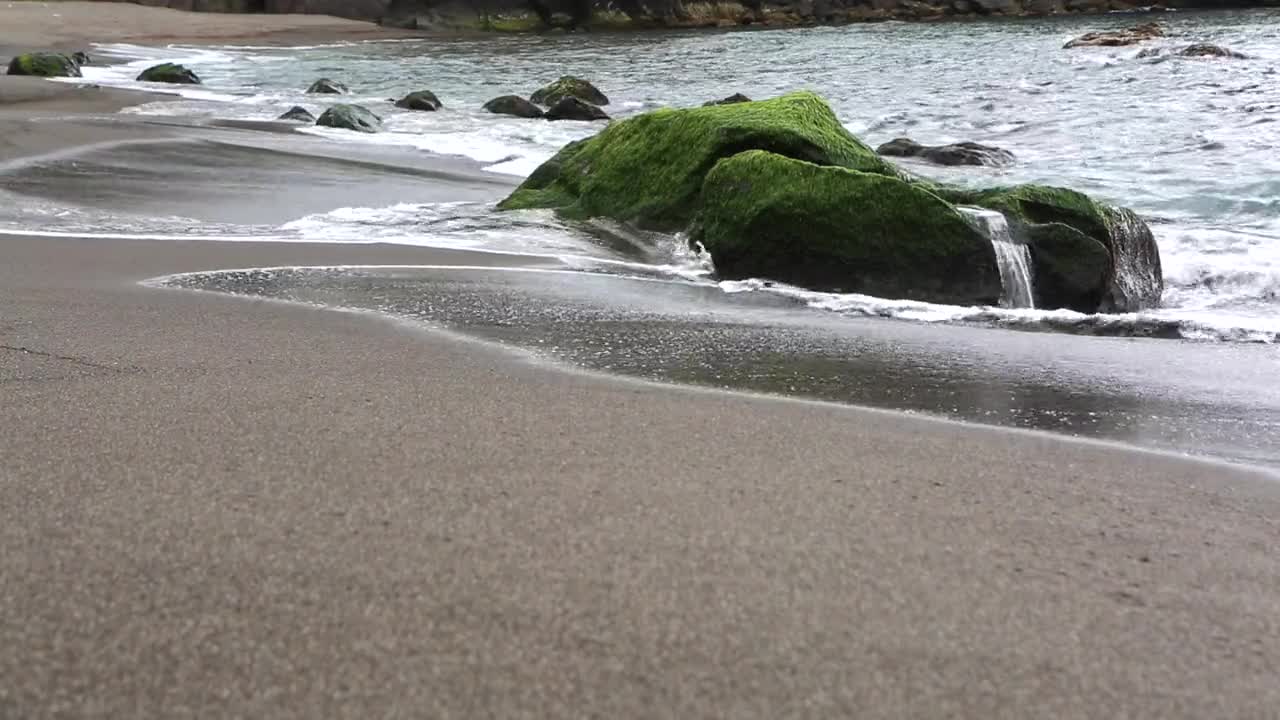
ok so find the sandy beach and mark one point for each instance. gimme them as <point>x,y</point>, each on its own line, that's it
<point>214,506</point>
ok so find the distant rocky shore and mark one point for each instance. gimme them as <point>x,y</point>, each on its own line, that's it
<point>535,15</point>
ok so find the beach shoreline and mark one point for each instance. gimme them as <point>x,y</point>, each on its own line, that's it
<point>216,505</point>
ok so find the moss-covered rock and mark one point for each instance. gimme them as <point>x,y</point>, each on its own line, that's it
<point>424,100</point>
<point>649,169</point>
<point>1087,255</point>
<point>830,228</point>
<point>350,117</point>
<point>169,73</point>
<point>513,105</point>
<point>44,64</point>
<point>569,86</point>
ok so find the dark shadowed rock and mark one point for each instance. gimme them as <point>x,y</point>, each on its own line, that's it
<point>1207,50</point>
<point>44,64</point>
<point>569,86</point>
<point>325,86</point>
<point>421,100</point>
<point>1118,38</point>
<point>351,117</point>
<point>81,58</point>
<point>731,100</point>
<point>513,105</point>
<point>298,113</point>
<point>962,153</point>
<point>169,73</point>
<point>571,108</point>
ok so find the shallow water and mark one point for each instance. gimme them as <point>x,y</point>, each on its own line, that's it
<point>1189,143</point>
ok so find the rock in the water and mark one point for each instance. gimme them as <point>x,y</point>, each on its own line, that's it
<point>81,57</point>
<point>1086,256</point>
<point>569,86</point>
<point>1207,50</point>
<point>351,117</point>
<point>298,113</point>
<point>731,100</point>
<point>169,73</point>
<point>962,153</point>
<point>571,108</point>
<point>513,105</point>
<point>325,86</point>
<point>779,189</point>
<point>421,100</point>
<point>1117,38</point>
<point>44,64</point>
<point>869,233</point>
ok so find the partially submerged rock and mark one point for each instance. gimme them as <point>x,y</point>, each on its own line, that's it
<point>779,189</point>
<point>350,117</point>
<point>961,153</point>
<point>44,64</point>
<point>169,73</point>
<point>831,228</point>
<point>1118,38</point>
<point>421,100</point>
<point>81,57</point>
<point>325,86</point>
<point>299,114</point>
<point>571,108</point>
<point>569,86</point>
<point>513,105</point>
<point>1207,50</point>
<point>731,100</point>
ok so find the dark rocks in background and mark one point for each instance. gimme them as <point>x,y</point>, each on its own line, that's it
<point>731,100</point>
<point>571,108</point>
<point>1118,38</point>
<point>299,114</point>
<point>1207,50</point>
<point>513,105</point>
<point>325,86</point>
<point>962,153</point>
<point>424,100</point>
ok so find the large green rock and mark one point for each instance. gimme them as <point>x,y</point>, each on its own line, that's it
<point>569,86</point>
<point>779,189</point>
<point>1086,255</point>
<point>648,170</point>
<point>831,228</point>
<point>44,64</point>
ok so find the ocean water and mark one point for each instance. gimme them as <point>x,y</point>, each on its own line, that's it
<point>1190,143</point>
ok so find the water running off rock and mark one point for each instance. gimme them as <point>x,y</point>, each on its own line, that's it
<point>1012,258</point>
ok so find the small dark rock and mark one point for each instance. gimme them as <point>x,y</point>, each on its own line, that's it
<point>1206,50</point>
<point>298,113</point>
<point>962,153</point>
<point>571,108</point>
<point>513,105</point>
<point>421,100</point>
<point>81,58</point>
<point>169,73</point>
<point>350,117</point>
<point>731,100</point>
<point>1117,38</point>
<point>569,86</point>
<point>325,86</point>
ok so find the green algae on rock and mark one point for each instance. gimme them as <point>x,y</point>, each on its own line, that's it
<point>779,189</point>
<point>169,73</point>
<point>831,228</point>
<point>44,64</point>
<point>649,169</point>
<point>569,86</point>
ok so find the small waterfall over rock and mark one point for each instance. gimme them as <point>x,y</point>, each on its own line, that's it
<point>1012,258</point>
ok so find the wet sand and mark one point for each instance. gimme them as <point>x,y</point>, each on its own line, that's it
<point>217,506</point>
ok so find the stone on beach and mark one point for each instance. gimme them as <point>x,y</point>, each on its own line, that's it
<point>45,64</point>
<point>351,117</point>
<point>172,73</point>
